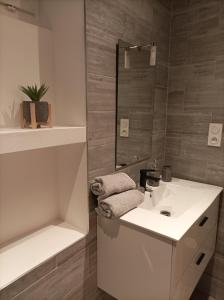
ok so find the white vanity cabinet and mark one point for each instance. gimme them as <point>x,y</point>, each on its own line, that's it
<point>192,253</point>
<point>138,264</point>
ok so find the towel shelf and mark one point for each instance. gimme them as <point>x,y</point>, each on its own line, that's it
<point>16,139</point>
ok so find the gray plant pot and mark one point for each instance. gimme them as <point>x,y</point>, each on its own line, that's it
<point>42,111</point>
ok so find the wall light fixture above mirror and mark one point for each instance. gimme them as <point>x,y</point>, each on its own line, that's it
<point>151,48</point>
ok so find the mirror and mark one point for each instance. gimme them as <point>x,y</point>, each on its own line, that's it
<point>135,87</point>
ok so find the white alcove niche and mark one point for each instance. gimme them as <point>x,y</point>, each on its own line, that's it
<point>43,172</point>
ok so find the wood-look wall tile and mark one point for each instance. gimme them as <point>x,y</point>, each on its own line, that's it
<point>100,93</point>
<point>201,101</point>
<point>101,160</point>
<point>178,5</point>
<point>86,291</point>
<point>188,123</point>
<point>101,54</point>
<point>185,168</point>
<point>204,18</point>
<point>92,227</point>
<point>101,124</point>
<point>161,75</point>
<point>180,50</point>
<point>176,102</point>
<point>173,144</point>
<point>179,77</point>
<point>89,291</point>
<point>70,251</point>
<point>159,124</point>
<point>69,275</point>
<point>195,147</point>
<point>180,25</point>
<point>220,242</point>
<point>207,47</point>
<point>220,234</point>
<point>219,68</point>
<point>215,172</point>
<point>166,3</point>
<point>201,3</point>
<point>221,14</point>
<point>158,146</point>
<point>102,35</point>
<point>160,102</point>
<point>137,147</point>
<point>26,281</point>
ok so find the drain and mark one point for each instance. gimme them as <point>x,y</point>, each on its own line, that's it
<point>165,213</point>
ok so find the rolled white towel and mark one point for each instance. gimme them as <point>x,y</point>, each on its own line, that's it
<point>105,186</point>
<point>119,204</point>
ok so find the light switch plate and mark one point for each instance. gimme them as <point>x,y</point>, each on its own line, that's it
<point>124,127</point>
<point>215,134</point>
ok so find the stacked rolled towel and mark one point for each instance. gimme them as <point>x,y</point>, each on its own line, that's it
<point>116,193</point>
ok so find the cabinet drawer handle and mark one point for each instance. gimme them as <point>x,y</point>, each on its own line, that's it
<point>203,221</point>
<point>200,259</point>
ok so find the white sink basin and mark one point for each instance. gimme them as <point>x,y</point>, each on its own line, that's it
<point>185,200</point>
<point>173,197</point>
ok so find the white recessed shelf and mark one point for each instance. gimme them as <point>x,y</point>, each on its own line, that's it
<point>37,187</point>
<point>24,255</point>
<point>16,139</point>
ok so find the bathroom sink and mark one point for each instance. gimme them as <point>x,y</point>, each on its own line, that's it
<point>172,250</point>
<point>173,207</point>
<point>173,198</point>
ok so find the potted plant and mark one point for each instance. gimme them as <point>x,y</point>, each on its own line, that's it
<point>35,95</point>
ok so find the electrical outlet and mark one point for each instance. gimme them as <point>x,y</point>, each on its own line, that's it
<point>124,127</point>
<point>215,134</point>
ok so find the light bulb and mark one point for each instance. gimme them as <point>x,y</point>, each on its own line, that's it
<point>126,59</point>
<point>153,55</point>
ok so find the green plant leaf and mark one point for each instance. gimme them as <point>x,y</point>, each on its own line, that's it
<point>33,92</point>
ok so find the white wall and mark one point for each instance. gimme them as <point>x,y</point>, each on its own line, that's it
<point>37,187</point>
<point>25,58</point>
<point>28,194</point>
<point>28,198</point>
<point>30,5</point>
<point>66,20</point>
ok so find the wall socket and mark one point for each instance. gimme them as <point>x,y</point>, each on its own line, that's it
<point>215,134</point>
<point>124,127</point>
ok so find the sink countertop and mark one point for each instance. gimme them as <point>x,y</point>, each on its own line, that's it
<point>175,227</point>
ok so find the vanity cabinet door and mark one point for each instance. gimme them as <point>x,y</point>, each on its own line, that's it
<point>192,274</point>
<point>132,264</point>
<point>188,246</point>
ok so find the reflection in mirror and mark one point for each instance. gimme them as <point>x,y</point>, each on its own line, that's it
<point>135,98</point>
